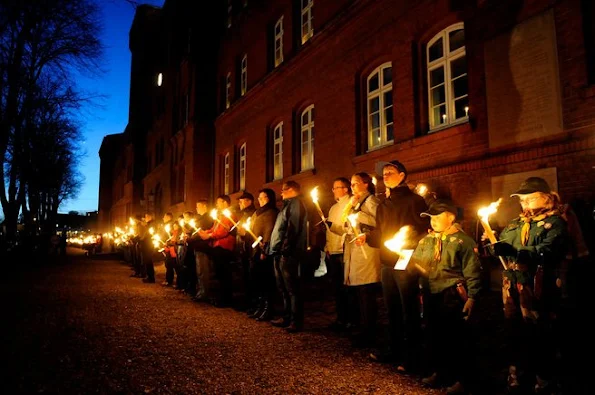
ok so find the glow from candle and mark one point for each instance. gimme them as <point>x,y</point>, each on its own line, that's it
<point>314,196</point>
<point>484,217</point>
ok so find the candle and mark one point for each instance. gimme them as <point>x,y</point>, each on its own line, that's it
<point>227,213</point>
<point>314,196</point>
<point>484,214</point>
<point>213,215</point>
<point>353,222</point>
<point>466,111</point>
<point>257,240</point>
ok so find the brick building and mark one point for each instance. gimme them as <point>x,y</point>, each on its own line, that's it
<point>471,95</point>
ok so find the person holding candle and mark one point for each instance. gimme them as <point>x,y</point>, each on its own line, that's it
<point>400,289</point>
<point>244,241</point>
<point>451,280</point>
<point>170,250</point>
<point>147,248</point>
<point>288,246</point>
<point>262,223</point>
<point>201,251</point>
<point>533,244</point>
<point>361,261</point>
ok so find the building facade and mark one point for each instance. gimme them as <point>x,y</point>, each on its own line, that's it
<point>472,96</point>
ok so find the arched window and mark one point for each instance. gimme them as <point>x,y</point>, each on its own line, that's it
<point>242,165</point>
<point>278,152</point>
<point>307,138</point>
<point>380,106</point>
<point>448,100</point>
<point>226,174</point>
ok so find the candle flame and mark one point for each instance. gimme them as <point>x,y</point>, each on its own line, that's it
<point>213,213</point>
<point>485,212</point>
<point>397,243</point>
<point>181,222</point>
<point>227,213</point>
<point>151,230</point>
<point>421,189</point>
<point>131,221</point>
<point>374,181</point>
<point>167,228</point>
<point>192,223</point>
<point>246,225</point>
<point>314,194</point>
<point>352,219</point>
<point>119,230</point>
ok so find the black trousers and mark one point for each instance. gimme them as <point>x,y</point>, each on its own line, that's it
<point>263,277</point>
<point>287,275</point>
<point>222,260</point>
<point>336,271</point>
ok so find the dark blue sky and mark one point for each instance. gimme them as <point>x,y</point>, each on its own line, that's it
<point>112,114</point>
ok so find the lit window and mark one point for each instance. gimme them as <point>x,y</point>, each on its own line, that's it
<point>448,100</point>
<point>159,79</point>
<point>226,174</point>
<point>278,152</point>
<point>242,164</point>
<point>228,90</point>
<point>307,28</point>
<point>307,138</point>
<point>279,42</point>
<point>380,106</point>
<point>244,76</point>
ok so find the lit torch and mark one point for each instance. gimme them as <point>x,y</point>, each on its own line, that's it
<point>484,215</point>
<point>213,215</point>
<point>192,224</point>
<point>227,214</point>
<point>396,245</point>
<point>257,240</point>
<point>314,196</point>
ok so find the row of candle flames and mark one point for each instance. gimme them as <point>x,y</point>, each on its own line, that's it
<point>395,244</point>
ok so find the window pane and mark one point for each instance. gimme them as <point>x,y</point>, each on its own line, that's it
<point>373,83</point>
<point>438,96</point>
<point>312,114</point>
<point>459,87</point>
<point>460,106</point>
<point>387,76</point>
<point>436,51</point>
<point>388,113</point>
<point>374,104</point>
<point>437,76</point>
<point>388,98</point>
<point>456,39</point>
<point>276,149</point>
<point>305,118</point>
<point>438,115</point>
<point>389,132</point>
<point>458,67</point>
<point>375,121</point>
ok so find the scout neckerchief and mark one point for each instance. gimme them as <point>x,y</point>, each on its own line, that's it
<point>440,237</point>
<point>527,217</point>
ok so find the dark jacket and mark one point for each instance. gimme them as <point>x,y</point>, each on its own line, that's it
<point>289,236</point>
<point>263,223</point>
<point>403,207</point>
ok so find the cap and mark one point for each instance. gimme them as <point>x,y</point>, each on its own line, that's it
<point>532,185</point>
<point>394,163</point>
<point>246,195</point>
<point>440,206</point>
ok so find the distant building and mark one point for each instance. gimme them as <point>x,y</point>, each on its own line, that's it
<point>472,96</point>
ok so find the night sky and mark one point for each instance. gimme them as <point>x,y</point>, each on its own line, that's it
<point>110,114</point>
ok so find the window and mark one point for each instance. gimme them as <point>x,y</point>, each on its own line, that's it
<point>278,152</point>
<point>380,106</point>
<point>226,174</point>
<point>307,28</point>
<point>229,10</point>
<point>228,90</point>
<point>307,138</point>
<point>448,100</point>
<point>244,75</point>
<point>279,42</point>
<point>242,167</point>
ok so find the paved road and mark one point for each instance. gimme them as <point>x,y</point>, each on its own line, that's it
<point>83,326</point>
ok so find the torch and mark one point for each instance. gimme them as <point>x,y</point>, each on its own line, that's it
<point>396,245</point>
<point>484,214</point>
<point>257,240</point>
<point>353,222</point>
<point>314,196</point>
<point>227,213</point>
<point>213,215</point>
<point>192,224</point>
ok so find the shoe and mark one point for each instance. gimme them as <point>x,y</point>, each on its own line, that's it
<point>456,388</point>
<point>430,381</point>
<point>280,322</point>
<point>266,313</point>
<point>165,284</point>
<point>149,280</point>
<point>294,328</point>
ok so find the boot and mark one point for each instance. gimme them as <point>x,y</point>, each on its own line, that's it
<point>266,313</point>
<point>256,313</point>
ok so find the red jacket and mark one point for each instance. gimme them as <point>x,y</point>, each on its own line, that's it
<point>220,236</point>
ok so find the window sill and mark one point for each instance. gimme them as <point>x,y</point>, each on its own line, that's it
<point>450,125</point>
<point>379,147</point>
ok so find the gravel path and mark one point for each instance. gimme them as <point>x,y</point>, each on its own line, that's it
<point>84,326</point>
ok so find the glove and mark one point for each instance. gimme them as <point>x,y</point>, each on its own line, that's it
<point>524,257</point>
<point>504,249</point>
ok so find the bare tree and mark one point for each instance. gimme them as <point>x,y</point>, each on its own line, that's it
<point>39,40</point>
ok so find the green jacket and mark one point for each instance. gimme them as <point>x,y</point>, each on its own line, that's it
<point>459,262</point>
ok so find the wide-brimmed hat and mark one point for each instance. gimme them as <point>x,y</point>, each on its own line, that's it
<point>532,185</point>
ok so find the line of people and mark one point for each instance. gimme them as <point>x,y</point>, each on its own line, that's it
<point>428,301</point>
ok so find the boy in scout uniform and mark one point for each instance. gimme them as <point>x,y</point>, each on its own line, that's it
<point>448,260</point>
<point>533,245</point>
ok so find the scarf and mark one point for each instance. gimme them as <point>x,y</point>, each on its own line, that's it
<point>441,236</point>
<point>529,216</point>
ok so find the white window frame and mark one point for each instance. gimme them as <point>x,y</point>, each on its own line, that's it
<point>374,141</point>
<point>242,167</point>
<point>306,20</point>
<point>244,75</point>
<point>226,174</point>
<point>307,139</point>
<point>278,40</point>
<point>447,118</point>
<point>228,90</point>
<point>278,151</point>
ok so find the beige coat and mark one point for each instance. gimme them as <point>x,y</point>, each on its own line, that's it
<point>335,237</point>
<point>360,269</point>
